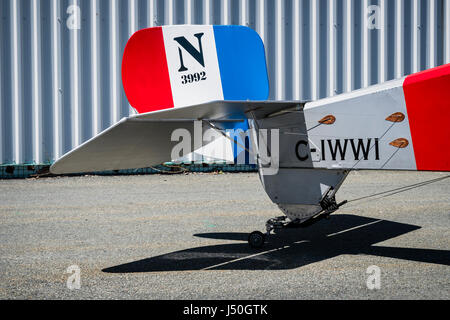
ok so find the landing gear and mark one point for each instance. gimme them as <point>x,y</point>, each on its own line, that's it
<point>328,204</point>
<point>256,239</point>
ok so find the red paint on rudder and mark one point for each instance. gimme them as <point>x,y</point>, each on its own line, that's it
<point>145,75</point>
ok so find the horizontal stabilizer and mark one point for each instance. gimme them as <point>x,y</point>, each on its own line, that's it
<point>128,144</point>
<point>143,140</point>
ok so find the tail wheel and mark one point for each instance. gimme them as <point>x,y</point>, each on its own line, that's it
<point>256,239</point>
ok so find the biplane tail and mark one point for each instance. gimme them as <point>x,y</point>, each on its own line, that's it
<point>176,75</point>
<point>166,72</point>
<point>174,67</point>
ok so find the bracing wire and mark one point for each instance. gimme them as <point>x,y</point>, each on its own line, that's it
<point>392,192</point>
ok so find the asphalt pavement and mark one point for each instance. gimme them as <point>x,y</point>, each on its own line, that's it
<point>185,237</point>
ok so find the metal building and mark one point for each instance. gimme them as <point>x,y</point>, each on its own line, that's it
<point>60,70</point>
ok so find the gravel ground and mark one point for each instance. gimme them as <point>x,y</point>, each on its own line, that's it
<point>184,237</point>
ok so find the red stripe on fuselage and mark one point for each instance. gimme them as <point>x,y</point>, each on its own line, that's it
<point>145,75</point>
<point>427,96</point>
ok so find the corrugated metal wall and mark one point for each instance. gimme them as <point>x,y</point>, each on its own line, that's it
<point>60,77</point>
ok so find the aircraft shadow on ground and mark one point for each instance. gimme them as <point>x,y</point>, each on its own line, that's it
<point>291,248</point>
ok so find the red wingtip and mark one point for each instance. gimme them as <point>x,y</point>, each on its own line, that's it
<point>427,96</point>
